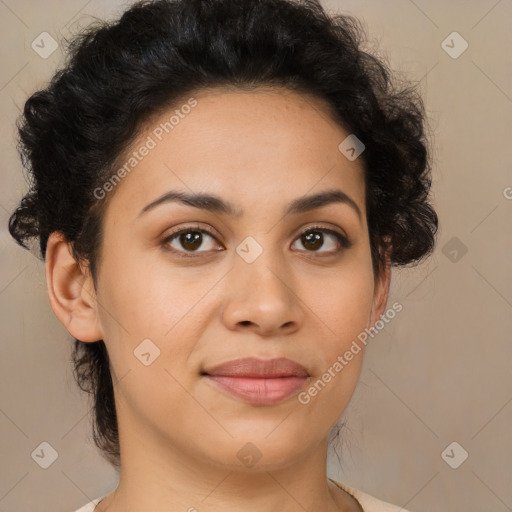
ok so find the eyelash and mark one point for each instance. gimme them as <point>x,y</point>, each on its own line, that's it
<point>344,242</point>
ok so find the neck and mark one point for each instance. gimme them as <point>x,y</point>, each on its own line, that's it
<point>167,480</point>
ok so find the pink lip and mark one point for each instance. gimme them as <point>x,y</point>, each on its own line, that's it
<point>258,381</point>
<point>260,391</point>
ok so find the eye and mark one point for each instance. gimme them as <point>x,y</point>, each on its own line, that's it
<point>314,237</point>
<point>190,238</point>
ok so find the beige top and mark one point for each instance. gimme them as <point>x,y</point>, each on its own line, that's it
<point>89,507</point>
<point>368,503</point>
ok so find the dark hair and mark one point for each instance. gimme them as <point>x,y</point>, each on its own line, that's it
<point>119,74</point>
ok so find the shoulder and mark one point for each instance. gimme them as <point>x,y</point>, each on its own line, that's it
<point>89,507</point>
<point>370,503</point>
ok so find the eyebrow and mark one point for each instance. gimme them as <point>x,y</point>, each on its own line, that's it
<point>215,204</point>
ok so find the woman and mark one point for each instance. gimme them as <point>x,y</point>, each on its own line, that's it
<point>220,190</point>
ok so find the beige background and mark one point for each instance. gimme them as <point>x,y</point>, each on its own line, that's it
<point>440,372</point>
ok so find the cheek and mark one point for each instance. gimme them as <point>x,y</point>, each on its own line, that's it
<point>148,330</point>
<point>343,309</point>
<point>342,305</point>
<point>343,302</point>
<point>144,311</point>
<point>143,300</point>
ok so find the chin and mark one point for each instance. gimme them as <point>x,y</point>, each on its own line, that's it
<point>260,453</point>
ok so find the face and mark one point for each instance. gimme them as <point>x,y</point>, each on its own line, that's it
<point>183,288</point>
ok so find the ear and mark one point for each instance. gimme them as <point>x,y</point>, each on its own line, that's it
<point>381,292</point>
<point>71,290</point>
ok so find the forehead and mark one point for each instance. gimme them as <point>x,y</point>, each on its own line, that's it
<point>264,143</point>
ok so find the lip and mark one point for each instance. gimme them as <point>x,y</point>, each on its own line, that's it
<point>259,381</point>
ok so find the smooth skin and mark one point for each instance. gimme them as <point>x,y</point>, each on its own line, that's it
<point>179,433</point>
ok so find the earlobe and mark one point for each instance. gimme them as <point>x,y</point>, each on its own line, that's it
<point>70,290</point>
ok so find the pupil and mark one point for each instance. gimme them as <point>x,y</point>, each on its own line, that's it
<point>192,238</point>
<point>312,239</point>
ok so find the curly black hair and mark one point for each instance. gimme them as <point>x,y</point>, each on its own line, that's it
<point>119,74</point>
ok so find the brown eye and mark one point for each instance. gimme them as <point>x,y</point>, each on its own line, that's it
<point>314,239</point>
<point>189,240</point>
<point>193,240</point>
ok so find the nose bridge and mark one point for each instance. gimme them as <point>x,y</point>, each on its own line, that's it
<point>259,261</point>
<point>260,289</point>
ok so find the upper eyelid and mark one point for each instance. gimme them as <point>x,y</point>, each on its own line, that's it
<point>213,231</point>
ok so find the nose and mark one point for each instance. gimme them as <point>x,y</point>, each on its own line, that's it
<point>261,297</point>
